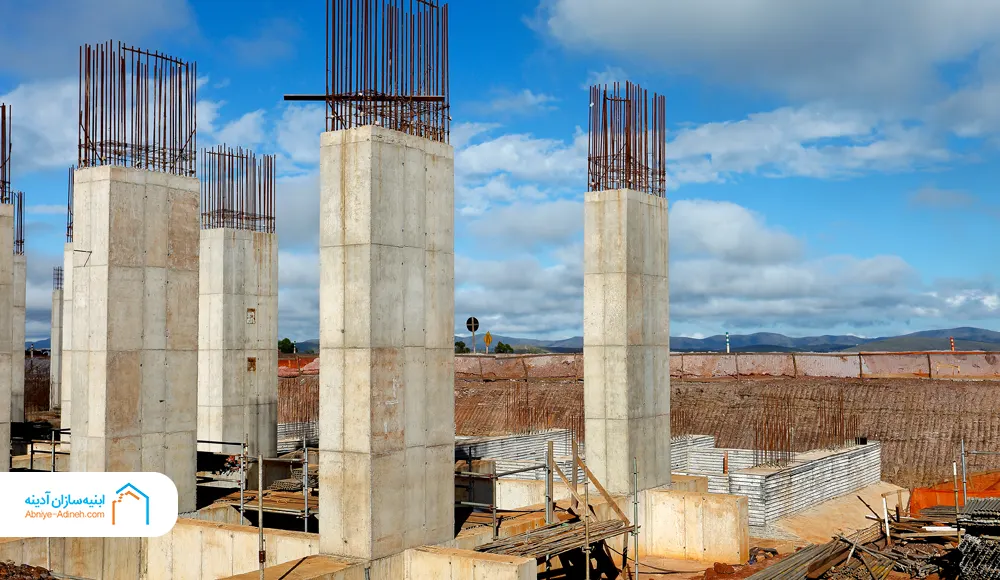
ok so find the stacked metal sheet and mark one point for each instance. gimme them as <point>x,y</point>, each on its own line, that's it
<point>980,558</point>
<point>980,513</point>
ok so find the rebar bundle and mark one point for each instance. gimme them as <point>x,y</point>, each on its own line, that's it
<point>980,558</point>
<point>137,109</point>
<point>387,65</point>
<point>237,190</point>
<point>628,140</point>
<point>18,199</point>
<point>6,125</point>
<point>69,207</point>
<point>57,278</point>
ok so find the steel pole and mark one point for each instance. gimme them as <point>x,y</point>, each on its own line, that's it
<point>261,553</point>
<point>965,490</point>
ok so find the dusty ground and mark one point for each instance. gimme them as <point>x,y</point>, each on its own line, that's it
<point>920,422</point>
<point>842,515</point>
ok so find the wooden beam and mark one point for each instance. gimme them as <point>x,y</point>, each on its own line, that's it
<point>600,488</point>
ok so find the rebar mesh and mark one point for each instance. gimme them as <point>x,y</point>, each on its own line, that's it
<point>627,140</point>
<point>237,190</point>
<point>18,199</point>
<point>57,278</point>
<point>69,206</point>
<point>137,109</point>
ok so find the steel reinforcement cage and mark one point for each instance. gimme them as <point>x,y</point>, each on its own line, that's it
<point>137,109</point>
<point>627,140</point>
<point>237,189</point>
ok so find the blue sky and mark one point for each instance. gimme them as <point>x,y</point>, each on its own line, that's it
<point>831,165</point>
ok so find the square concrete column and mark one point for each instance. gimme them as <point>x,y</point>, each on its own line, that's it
<point>6,317</point>
<point>65,409</point>
<point>626,338</point>
<point>17,339</point>
<point>238,339</point>
<point>387,303</point>
<point>135,331</point>
<point>55,350</point>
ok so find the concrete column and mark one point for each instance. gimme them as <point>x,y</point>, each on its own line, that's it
<point>626,338</point>
<point>135,331</point>
<point>6,317</point>
<point>387,302</point>
<point>65,409</point>
<point>238,339</point>
<point>55,350</point>
<point>17,339</point>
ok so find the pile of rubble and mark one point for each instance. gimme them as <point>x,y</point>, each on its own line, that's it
<point>11,571</point>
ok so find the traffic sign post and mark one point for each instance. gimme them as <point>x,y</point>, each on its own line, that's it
<point>473,325</point>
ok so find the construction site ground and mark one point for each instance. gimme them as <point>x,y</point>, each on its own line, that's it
<point>920,422</point>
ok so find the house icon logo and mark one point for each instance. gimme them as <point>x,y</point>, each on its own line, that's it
<point>132,501</point>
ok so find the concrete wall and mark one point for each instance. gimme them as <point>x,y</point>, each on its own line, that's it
<point>135,340</point>
<point>387,342</point>
<point>6,318</point>
<point>626,338</point>
<point>65,409</point>
<point>55,351</point>
<point>238,321</point>
<point>436,563</point>
<point>701,366</point>
<point>17,338</point>
<point>694,526</point>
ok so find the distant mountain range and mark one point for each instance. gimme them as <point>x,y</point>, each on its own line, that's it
<point>966,338</point>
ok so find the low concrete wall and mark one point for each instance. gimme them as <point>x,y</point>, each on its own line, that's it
<point>436,563</point>
<point>695,526</point>
<point>707,366</point>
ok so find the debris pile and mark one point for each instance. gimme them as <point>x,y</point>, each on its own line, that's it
<point>11,571</point>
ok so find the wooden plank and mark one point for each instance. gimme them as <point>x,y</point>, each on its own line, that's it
<point>600,488</point>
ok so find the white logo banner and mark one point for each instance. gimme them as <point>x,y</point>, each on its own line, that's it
<point>86,505</point>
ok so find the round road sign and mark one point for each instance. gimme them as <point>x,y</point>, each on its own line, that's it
<point>472,324</point>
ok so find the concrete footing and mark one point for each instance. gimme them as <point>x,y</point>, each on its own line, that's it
<point>6,318</point>
<point>17,338</point>
<point>65,409</point>
<point>135,331</point>
<point>626,338</point>
<point>237,340</point>
<point>387,342</point>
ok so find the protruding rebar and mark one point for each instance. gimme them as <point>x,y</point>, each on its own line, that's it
<point>18,198</point>
<point>6,124</point>
<point>628,140</point>
<point>57,278</point>
<point>237,190</point>
<point>137,109</point>
<point>69,206</point>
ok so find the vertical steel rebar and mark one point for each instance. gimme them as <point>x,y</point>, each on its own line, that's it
<point>136,109</point>
<point>18,198</point>
<point>6,127</point>
<point>626,140</point>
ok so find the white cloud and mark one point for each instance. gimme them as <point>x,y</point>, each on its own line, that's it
<point>610,75</point>
<point>45,209</point>
<point>728,231</point>
<point>524,156</point>
<point>298,133</point>
<point>45,120</point>
<point>530,226</point>
<point>523,102</point>
<point>246,131</point>
<point>463,133</point>
<point>815,141</point>
<point>806,50</point>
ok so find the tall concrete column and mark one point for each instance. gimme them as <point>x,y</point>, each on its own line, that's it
<point>17,339</point>
<point>55,343</point>
<point>6,317</point>
<point>626,338</point>
<point>387,302</point>
<point>135,324</point>
<point>65,410</point>
<point>237,339</point>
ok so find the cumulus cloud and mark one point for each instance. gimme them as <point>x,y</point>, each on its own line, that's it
<point>805,50</point>
<point>44,134</point>
<point>728,231</point>
<point>297,134</point>
<point>523,102</point>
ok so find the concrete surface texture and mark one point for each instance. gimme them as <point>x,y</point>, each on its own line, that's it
<point>387,303</point>
<point>844,514</point>
<point>65,408</point>
<point>626,338</point>
<point>135,337</point>
<point>55,351</point>
<point>17,339</point>
<point>237,334</point>
<point>6,318</point>
<point>694,526</point>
